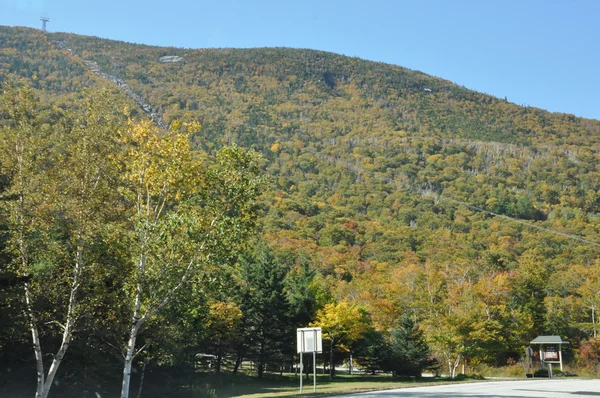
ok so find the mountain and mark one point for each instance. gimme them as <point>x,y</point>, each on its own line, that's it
<point>220,85</point>
<point>407,192</point>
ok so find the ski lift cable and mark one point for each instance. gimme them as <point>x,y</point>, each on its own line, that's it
<point>516,220</point>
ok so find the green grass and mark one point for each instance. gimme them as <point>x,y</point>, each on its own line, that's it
<point>288,385</point>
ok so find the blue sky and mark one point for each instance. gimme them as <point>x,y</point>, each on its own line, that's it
<point>543,53</point>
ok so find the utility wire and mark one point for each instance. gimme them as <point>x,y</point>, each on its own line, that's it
<point>552,231</point>
<point>387,180</point>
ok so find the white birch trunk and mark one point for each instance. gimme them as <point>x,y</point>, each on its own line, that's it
<point>133,332</point>
<point>69,324</point>
<point>139,393</point>
<point>57,361</point>
<point>33,323</point>
<point>129,356</point>
<point>456,363</point>
<point>37,348</point>
<point>594,321</point>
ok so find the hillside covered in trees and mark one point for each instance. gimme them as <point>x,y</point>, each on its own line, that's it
<point>396,204</point>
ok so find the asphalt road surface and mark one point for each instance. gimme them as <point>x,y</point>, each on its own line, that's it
<point>539,388</point>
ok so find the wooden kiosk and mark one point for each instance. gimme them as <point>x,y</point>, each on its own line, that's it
<point>550,351</point>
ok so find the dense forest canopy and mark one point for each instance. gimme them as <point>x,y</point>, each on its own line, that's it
<point>421,207</point>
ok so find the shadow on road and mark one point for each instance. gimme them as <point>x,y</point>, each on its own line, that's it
<point>444,394</point>
<point>580,393</point>
<point>447,394</point>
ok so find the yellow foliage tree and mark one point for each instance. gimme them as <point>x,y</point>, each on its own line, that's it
<point>343,323</point>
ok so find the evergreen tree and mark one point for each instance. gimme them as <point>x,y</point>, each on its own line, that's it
<point>266,311</point>
<point>408,353</point>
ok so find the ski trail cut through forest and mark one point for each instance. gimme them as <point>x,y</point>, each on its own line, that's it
<point>93,67</point>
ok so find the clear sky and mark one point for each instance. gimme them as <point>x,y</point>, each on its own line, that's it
<point>543,53</point>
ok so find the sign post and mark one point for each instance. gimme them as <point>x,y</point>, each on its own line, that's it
<point>314,372</point>
<point>301,372</point>
<point>309,340</point>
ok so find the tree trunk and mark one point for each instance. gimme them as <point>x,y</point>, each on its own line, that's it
<point>238,362</point>
<point>33,323</point>
<point>129,356</point>
<point>456,363</point>
<point>37,348</point>
<point>44,383</point>
<point>57,360</point>
<point>135,327</point>
<point>260,368</point>
<point>218,362</point>
<point>69,324</point>
<point>331,359</point>
<point>139,393</point>
<point>261,359</point>
<point>594,321</point>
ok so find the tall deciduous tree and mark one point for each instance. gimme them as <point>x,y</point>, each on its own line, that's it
<point>589,298</point>
<point>343,324</point>
<point>184,214</point>
<point>223,322</point>
<point>22,149</point>
<point>57,204</point>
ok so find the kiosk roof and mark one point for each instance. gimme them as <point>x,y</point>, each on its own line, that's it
<point>548,340</point>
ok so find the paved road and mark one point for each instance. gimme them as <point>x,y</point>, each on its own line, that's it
<point>556,388</point>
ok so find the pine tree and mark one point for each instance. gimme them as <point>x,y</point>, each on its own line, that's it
<point>409,354</point>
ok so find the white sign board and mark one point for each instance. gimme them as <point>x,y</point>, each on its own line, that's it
<point>309,340</point>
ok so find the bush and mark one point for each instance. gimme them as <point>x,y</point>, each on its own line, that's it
<point>541,373</point>
<point>473,376</point>
<point>502,371</point>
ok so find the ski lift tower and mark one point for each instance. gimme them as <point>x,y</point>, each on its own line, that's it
<point>44,20</point>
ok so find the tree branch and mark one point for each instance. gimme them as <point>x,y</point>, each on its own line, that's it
<point>142,348</point>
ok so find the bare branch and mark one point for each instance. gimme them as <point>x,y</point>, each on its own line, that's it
<point>140,350</point>
<point>63,327</point>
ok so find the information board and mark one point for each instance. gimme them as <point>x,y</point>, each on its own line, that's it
<point>550,352</point>
<point>309,340</point>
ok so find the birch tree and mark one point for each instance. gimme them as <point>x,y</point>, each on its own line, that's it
<point>589,298</point>
<point>59,180</point>
<point>21,152</point>
<point>184,214</point>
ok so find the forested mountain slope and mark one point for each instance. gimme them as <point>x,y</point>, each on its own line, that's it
<point>406,193</point>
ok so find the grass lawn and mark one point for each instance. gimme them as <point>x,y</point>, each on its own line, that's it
<point>288,385</point>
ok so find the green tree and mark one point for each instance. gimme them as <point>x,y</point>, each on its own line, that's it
<point>343,324</point>
<point>21,152</point>
<point>184,215</point>
<point>589,298</point>
<point>408,353</point>
<point>267,314</point>
<point>528,289</point>
<point>300,293</point>
<point>59,201</point>
<point>223,323</point>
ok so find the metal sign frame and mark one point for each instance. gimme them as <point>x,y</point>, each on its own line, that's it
<point>309,340</point>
